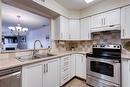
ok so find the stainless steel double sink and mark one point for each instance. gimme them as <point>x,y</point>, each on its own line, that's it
<point>31,57</point>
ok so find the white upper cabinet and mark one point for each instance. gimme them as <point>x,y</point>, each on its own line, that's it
<point>96,21</point>
<point>112,17</point>
<point>106,19</point>
<point>85,33</point>
<point>61,28</point>
<point>74,29</point>
<point>125,22</point>
<point>66,29</point>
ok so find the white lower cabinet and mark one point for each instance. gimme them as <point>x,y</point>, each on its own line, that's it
<point>65,69</point>
<point>51,73</point>
<point>54,72</point>
<point>125,73</point>
<point>81,66</point>
<point>73,63</point>
<point>32,75</point>
<point>45,74</point>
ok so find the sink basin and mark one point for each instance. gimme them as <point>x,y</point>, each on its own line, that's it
<point>27,58</point>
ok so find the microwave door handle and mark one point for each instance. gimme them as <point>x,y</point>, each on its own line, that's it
<point>10,75</point>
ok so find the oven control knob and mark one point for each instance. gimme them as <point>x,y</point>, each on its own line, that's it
<point>118,46</point>
<point>102,45</point>
<point>114,46</point>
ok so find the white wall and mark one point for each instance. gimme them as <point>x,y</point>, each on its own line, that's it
<point>103,6</point>
<point>39,34</point>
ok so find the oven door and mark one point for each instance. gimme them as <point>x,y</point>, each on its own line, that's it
<point>104,69</point>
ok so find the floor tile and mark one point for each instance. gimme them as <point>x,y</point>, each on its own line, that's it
<point>76,83</point>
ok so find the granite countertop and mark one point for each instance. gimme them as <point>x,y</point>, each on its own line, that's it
<point>13,62</point>
<point>125,56</point>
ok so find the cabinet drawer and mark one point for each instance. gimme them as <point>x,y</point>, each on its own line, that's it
<point>65,73</point>
<point>65,79</point>
<point>66,58</point>
<point>65,64</point>
<point>65,76</point>
<point>65,69</point>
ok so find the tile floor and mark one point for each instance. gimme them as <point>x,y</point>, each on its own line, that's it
<point>76,83</point>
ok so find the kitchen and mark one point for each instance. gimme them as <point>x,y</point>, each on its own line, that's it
<point>82,45</point>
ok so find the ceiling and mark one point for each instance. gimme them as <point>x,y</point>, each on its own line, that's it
<point>76,4</point>
<point>28,19</point>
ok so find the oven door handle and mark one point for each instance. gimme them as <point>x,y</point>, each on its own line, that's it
<point>10,75</point>
<point>104,60</point>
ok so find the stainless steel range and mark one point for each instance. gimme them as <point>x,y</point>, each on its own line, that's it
<point>103,66</point>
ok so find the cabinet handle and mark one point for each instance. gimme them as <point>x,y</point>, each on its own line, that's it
<point>123,32</point>
<point>88,35</point>
<point>82,58</point>
<point>44,69</point>
<point>129,65</point>
<point>61,36</point>
<point>104,21</point>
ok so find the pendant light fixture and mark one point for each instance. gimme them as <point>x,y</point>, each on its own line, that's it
<point>89,1</point>
<point>18,30</point>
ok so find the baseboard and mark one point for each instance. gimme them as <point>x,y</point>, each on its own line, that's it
<point>68,81</point>
<point>80,78</point>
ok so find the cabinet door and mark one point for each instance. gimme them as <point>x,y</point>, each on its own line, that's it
<point>125,22</point>
<point>64,32</point>
<point>74,29</point>
<point>96,21</point>
<point>32,75</point>
<point>73,65</point>
<point>111,17</point>
<point>84,66</point>
<point>125,73</point>
<point>85,29</point>
<point>57,29</point>
<point>79,66</point>
<point>51,74</point>
<point>61,28</point>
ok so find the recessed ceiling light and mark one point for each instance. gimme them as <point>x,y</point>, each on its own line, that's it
<point>89,1</point>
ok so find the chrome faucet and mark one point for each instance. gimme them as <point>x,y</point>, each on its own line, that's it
<point>35,51</point>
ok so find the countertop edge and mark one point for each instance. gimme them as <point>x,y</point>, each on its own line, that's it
<point>18,63</point>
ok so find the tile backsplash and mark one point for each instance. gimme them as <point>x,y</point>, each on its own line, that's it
<point>108,37</point>
<point>112,37</point>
